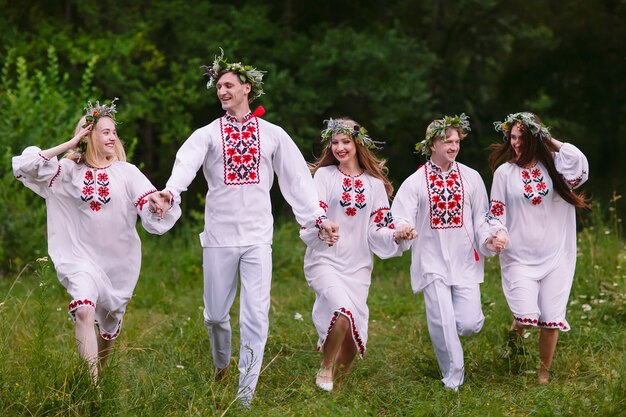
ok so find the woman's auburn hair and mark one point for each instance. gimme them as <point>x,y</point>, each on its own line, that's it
<point>369,162</point>
<point>533,148</point>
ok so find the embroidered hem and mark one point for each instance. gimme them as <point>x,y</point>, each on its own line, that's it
<point>55,176</point>
<point>141,201</point>
<point>76,304</point>
<point>544,324</point>
<point>355,333</point>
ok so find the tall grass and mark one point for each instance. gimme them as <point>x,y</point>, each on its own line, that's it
<point>162,364</point>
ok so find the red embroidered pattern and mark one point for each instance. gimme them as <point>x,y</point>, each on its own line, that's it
<point>446,196</point>
<point>89,190</point>
<point>575,182</point>
<point>241,150</point>
<point>110,336</point>
<point>74,304</point>
<point>537,323</point>
<point>349,186</point>
<point>383,218</point>
<point>496,210</point>
<point>55,176</point>
<point>355,333</point>
<point>141,201</point>
<point>530,176</point>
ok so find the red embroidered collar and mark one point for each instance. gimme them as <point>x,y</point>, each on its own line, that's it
<point>348,175</point>
<point>92,167</point>
<point>258,112</point>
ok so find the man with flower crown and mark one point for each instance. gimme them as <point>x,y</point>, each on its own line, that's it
<point>446,202</point>
<point>239,154</point>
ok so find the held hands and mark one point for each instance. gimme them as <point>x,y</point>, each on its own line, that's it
<point>405,232</point>
<point>498,242</point>
<point>160,202</point>
<point>329,232</point>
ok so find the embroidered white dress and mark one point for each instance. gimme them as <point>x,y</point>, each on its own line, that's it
<point>238,161</point>
<point>447,210</point>
<point>92,238</point>
<point>340,275</point>
<point>541,225</point>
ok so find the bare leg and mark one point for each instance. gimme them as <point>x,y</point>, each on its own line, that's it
<point>332,345</point>
<point>346,354</point>
<point>86,339</point>
<point>105,347</point>
<point>547,346</point>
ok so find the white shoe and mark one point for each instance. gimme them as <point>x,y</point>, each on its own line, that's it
<point>322,379</point>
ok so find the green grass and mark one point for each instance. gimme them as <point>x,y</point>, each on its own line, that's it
<point>162,363</point>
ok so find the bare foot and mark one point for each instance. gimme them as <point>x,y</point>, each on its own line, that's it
<point>544,376</point>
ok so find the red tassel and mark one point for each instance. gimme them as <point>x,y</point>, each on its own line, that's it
<point>476,257</point>
<point>258,112</point>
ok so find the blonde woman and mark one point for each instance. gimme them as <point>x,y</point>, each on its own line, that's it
<point>93,198</point>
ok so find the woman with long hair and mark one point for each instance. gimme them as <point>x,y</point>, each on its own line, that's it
<point>533,196</point>
<point>354,190</point>
<point>93,198</point>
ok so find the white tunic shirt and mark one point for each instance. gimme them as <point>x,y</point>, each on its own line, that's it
<point>238,161</point>
<point>341,275</point>
<point>541,225</point>
<point>447,210</point>
<point>92,238</point>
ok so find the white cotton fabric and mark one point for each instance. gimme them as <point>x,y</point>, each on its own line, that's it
<point>341,275</point>
<point>541,226</point>
<point>445,249</point>
<point>238,212</point>
<point>92,239</point>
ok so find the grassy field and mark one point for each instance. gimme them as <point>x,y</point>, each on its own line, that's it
<point>162,364</point>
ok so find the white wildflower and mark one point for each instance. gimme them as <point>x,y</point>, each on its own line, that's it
<point>180,366</point>
<point>586,307</point>
<point>42,259</point>
<point>298,316</point>
<point>526,335</point>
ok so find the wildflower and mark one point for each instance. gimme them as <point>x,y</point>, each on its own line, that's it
<point>586,307</point>
<point>298,316</point>
<point>42,259</point>
<point>180,366</point>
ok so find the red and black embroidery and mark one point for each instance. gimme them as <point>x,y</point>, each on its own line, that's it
<point>446,196</point>
<point>355,333</point>
<point>353,194</point>
<point>74,304</point>
<point>534,176</point>
<point>383,218</point>
<point>534,322</point>
<point>241,150</point>
<point>575,182</point>
<point>141,201</point>
<point>496,210</point>
<point>96,189</point>
<point>110,336</point>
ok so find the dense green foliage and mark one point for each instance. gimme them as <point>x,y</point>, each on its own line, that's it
<point>161,365</point>
<point>392,65</point>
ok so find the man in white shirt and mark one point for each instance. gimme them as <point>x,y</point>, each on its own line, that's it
<point>446,202</point>
<point>239,154</point>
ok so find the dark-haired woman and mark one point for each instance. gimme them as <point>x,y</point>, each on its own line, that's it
<point>532,195</point>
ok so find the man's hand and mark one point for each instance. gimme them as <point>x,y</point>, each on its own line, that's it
<point>405,232</point>
<point>160,202</point>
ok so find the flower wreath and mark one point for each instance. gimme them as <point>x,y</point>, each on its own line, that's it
<point>246,73</point>
<point>437,129</point>
<point>523,119</point>
<point>357,133</point>
<point>92,115</point>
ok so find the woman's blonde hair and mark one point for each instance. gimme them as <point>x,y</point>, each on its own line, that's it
<point>369,162</point>
<point>90,155</point>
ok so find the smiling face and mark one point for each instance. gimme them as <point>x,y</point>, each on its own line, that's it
<point>516,139</point>
<point>232,93</point>
<point>343,148</point>
<point>104,138</point>
<point>444,153</point>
